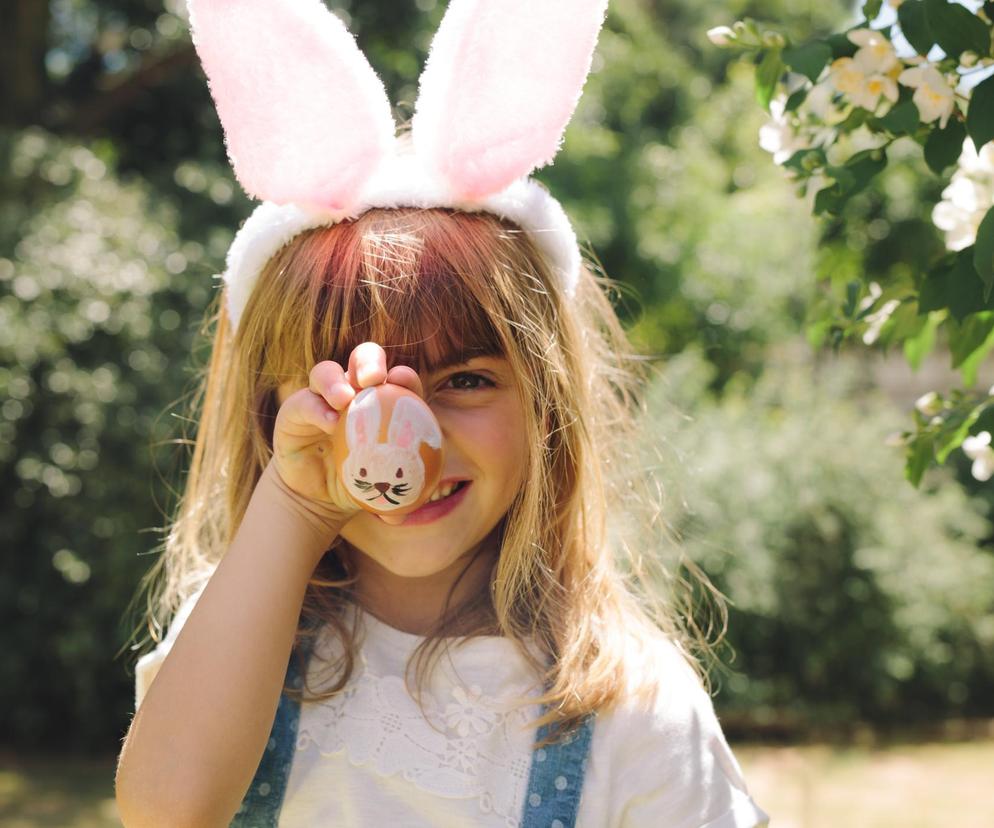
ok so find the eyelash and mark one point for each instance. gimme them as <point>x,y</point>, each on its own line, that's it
<point>485,383</point>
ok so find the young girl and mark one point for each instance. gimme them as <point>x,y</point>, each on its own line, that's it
<point>483,660</point>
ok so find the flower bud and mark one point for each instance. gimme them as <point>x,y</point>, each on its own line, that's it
<point>929,404</point>
<point>722,36</point>
<point>774,40</point>
<point>968,59</point>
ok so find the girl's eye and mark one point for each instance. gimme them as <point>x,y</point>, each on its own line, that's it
<point>468,381</point>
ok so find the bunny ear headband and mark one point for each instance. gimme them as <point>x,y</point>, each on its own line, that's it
<point>309,131</point>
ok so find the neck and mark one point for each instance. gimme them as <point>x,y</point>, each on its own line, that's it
<point>414,605</point>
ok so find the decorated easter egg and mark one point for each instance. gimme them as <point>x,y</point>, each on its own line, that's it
<point>388,450</point>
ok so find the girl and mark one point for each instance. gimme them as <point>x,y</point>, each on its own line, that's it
<point>483,660</point>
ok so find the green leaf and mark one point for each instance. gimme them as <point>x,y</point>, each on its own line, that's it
<point>966,338</point>
<point>796,162</point>
<point>914,25</point>
<point>983,251</point>
<point>808,58</point>
<point>841,45</point>
<point>853,290</point>
<point>980,116</point>
<point>767,76</point>
<point>952,440</point>
<point>920,455</point>
<point>902,119</point>
<point>957,29</point>
<point>871,8</point>
<point>954,283</point>
<point>919,345</point>
<point>944,146</point>
<point>795,100</point>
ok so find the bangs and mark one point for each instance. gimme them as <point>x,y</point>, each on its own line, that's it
<point>420,283</point>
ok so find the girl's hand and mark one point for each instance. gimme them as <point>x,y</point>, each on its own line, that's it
<point>302,447</point>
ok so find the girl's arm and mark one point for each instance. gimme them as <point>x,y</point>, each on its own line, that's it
<point>197,739</point>
<point>199,734</point>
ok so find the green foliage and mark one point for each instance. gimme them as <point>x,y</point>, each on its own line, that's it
<point>861,97</point>
<point>97,296</point>
<point>980,118</point>
<point>852,594</point>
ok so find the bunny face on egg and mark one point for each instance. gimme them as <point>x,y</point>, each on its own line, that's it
<point>390,454</point>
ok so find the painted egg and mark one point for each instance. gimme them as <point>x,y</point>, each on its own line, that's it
<point>388,450</point>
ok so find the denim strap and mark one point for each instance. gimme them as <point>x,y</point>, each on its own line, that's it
<point>261,806</point>
<point>554,784</point>
<point>556,778</point>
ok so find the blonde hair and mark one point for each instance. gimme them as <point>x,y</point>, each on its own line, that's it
<point>562,580</point>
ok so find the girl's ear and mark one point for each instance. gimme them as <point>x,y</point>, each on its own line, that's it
<point>306,119</point>
<point>411,423</point>
<point>501,83</point>
<point>362,420</point>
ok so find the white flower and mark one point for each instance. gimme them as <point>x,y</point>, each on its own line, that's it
<point>876,53</point>
<point>814,185</point>
<point>979,450</point>
<point>779,134</point>
<point>967,198</point>
<point>467,712</point>
<point>877,319</point>
<point>929,404</point>
<point>863,87</point>
<point>934,97</point>
<point>721,36</point>
<point>819,103</point>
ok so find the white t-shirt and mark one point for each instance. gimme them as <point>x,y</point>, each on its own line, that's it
<point>369,757</point>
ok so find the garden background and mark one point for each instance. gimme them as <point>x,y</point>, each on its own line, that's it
<point>859,677</point>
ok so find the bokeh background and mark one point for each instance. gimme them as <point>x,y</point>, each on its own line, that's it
<point>858,685</point>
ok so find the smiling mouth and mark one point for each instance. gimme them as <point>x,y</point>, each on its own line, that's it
<point>445,491</point>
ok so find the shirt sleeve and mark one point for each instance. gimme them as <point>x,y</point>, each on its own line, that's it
<point>670,763</point>
<point>148,665</point>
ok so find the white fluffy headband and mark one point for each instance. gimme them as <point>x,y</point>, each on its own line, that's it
<point>309,131</point>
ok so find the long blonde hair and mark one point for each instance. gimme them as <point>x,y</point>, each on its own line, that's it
<point>427,284</point>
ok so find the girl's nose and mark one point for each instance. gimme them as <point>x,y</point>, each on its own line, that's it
<point>382,488</point>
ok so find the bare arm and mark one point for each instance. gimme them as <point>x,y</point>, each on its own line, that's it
<point>200,732</point>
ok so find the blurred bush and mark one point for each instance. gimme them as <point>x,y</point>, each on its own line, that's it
<point>99,299</point>
<point>853,595</point>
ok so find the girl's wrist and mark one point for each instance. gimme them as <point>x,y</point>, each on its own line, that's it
<point>320,522</point>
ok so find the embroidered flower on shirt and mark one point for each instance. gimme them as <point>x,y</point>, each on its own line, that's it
<point>466,713</point>
<point>462,754</point>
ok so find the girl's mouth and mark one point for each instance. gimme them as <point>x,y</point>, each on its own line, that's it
<point>444,499</point>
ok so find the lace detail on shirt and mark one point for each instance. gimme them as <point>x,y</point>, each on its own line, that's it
<point>479,747</point>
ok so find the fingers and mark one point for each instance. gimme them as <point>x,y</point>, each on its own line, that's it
<point>367,365</point>
<point>307,409</point>
<point>407,377</point>
<point>328,381</point>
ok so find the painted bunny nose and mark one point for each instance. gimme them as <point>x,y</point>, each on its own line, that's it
<point>382,488</point>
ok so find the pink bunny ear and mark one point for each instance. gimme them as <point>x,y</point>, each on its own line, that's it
<point>406,435</point>
<point>501,83</point>
<point>306,119</point>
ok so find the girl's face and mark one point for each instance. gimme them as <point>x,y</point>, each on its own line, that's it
<point>479,409</point>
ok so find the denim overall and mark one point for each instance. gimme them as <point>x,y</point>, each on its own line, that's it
<point>554,782</point>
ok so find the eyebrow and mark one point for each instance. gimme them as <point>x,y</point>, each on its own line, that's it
<point>462,358</point>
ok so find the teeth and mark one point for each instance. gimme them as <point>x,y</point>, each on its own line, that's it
<point>442,491</point>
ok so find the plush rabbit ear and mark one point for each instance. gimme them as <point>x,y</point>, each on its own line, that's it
<point>305,117</point>
<point>501,83</point>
